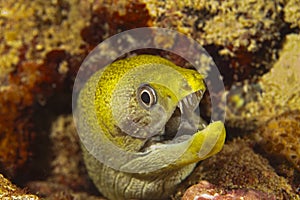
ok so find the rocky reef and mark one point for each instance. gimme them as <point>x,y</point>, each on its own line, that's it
<point>205,191</point>
<point>254,43</point>
<point>238,167</point>
<point>9,191</point>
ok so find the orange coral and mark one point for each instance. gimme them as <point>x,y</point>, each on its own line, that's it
<point>28,85</point>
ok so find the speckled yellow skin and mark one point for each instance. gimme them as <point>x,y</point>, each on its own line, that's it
<point>122,78</point>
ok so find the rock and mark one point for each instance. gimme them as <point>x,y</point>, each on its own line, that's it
<point>278,90</point>
<point>67,176</point>
<point>281,136</point>
<point>34,66</point>
<point>206,191</point>
<point>237,166</point>
<point>10,191</point>
<point>292,13</point>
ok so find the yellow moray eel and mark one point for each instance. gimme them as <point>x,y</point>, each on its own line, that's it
<point>145,106</point>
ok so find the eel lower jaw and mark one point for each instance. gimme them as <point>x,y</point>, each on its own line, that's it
<point>203,144</point>
<point>199,146</point>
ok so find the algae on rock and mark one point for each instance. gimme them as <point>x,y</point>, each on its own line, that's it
<point>280,89</point>
<point>10,191</point>
<point>237,166</point>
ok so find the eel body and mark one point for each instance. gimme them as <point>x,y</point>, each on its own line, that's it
<point>141,135</point>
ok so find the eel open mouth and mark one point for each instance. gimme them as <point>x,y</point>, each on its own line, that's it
<point>179,151</point>
<point>184,122</point>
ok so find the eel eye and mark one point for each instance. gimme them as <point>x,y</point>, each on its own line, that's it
<point>146,96</point>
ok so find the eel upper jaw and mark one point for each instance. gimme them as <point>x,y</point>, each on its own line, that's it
<point>191,121</point>
<point>188,117</point>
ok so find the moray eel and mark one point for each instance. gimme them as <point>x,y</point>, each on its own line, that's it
<point>142,111</point>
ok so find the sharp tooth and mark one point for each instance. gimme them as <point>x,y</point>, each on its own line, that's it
<point>189,119</point>
<point>189,103</point>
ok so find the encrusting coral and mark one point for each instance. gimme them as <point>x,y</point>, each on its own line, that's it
<point>281,136</point>
<point>292,13</point>
<point>10,191</point>
<point>237,166</point>
<point>34,66</point>
<point>244,34</point>
<point>43,60</point>
<point>279,90</point>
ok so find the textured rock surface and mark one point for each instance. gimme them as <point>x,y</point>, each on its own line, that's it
<point>279,90</point>
<point>292,13</point>
<point>238,166</point>
<point>34,66</point>
<point>244,34</point>
<point>67,176</point>
<point>10,191</point>
<point>206,191</point>
<point>280,137</point>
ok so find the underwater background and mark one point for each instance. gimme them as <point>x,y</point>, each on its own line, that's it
<point>254,43</point>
